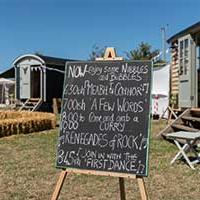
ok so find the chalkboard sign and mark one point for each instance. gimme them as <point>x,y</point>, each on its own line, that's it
<point>105,117</point>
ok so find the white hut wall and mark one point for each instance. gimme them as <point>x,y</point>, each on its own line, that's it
<point>25,85</point>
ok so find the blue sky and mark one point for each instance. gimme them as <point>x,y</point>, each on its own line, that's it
<point>70,28</point>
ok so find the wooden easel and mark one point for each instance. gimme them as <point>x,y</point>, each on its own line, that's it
<point>110,54</point>
<point>171,112</point>
<point>140,180</point>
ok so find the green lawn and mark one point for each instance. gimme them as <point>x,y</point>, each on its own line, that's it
<point>27,171</point>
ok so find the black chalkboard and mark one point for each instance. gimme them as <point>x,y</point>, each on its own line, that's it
<point>105,117</point>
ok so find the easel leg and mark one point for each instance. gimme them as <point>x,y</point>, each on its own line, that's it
<point>59,185</point>
<point>122,189</point>
<point>170,115</point>
<point>163,114</point>
<point>142,188</point>
<point>173,113</point>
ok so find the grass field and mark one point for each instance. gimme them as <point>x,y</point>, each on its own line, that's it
<point>27,171</point>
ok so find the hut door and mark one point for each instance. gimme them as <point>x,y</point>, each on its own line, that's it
<point>25,88</point>
<point>35,83</point>
<point>187,73</point>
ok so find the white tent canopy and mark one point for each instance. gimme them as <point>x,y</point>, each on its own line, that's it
<point>6,81</point>
<point>161,80</point>
<point>160,89</point>
<point>6,89</point>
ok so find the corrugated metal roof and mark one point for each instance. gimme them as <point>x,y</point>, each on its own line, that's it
<point>189,30</point>
<point>10,73</point>
<point>53,62</point>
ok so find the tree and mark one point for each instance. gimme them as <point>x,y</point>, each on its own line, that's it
<point>142,52</point>
<point>96,52</point>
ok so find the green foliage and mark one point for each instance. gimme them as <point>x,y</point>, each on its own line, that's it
<point>96,52</point>
<point>142,52</point>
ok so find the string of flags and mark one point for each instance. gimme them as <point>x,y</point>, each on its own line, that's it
<point>44,68</point>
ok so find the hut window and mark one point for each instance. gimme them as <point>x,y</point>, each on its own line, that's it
<point>184,56</point>
<point>181,49</point>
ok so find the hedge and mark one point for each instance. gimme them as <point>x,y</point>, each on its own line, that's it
<point>15,122</point>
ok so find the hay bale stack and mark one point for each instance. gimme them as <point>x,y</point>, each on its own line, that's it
<point>15,122</point>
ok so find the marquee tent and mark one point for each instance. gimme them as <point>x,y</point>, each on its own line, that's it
<point>160,89</point>
<point>6,90</point>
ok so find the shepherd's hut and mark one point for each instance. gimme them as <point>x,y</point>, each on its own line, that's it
<point>39,79</point>
<point>185,80</point>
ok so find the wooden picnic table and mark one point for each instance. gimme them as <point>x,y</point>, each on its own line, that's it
<point>190,138</point>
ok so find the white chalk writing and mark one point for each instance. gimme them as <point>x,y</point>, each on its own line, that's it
<point>104,117</point>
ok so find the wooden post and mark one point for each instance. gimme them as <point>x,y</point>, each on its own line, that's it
<point>142,188</point>
<point>59,185</point>
<point>122,189</point>
<point>55,106</point>
<point>110,54</point>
